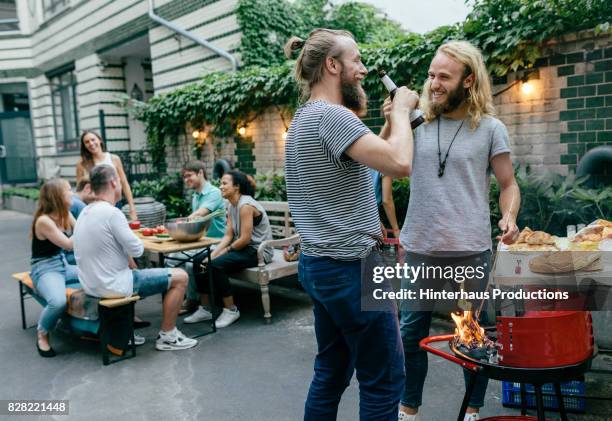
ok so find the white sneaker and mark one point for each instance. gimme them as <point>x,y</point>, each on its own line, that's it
<point>474,416</point>
<point>402,416</point>
<point>173,341</point>
<point>200,315</point>
<point>138,340</point>
<point>227,317</point>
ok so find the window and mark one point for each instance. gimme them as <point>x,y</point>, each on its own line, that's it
<point>54,7</point>
<point>8,16</point>
<point>65,117</point>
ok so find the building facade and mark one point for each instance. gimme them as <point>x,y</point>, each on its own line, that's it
<point>65,65</point>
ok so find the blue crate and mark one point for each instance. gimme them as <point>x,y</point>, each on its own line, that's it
<point>573,396</point>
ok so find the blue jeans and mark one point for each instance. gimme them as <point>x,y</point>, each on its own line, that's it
<point>350,339</point>
<point>50,277</point>
<point>414,326</point>
<point>149,282</point>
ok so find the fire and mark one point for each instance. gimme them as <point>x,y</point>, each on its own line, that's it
<point>468,331</point>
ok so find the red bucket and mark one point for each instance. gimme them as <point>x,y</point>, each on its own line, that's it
<point>542,339</point>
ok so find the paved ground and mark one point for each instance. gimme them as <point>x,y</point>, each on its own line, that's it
<point>249,371</point>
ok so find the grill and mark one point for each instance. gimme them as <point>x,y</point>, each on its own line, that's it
<point>533,349</point>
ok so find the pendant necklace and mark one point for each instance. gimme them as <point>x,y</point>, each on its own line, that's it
<point>441,163</point>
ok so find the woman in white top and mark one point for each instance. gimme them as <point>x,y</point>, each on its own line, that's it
<point>93,152</point>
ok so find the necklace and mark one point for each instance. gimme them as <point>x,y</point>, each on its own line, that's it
<point>441,163</point>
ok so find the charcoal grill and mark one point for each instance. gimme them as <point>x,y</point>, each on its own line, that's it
<point>551,373</point>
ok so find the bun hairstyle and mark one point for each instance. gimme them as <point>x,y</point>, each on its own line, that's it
<point>294,44</point>
<point>320,44</point>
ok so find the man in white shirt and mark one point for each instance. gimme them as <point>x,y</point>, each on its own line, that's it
<point>105,246</point>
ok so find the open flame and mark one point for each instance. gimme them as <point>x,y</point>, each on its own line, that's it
<point>468,332</point>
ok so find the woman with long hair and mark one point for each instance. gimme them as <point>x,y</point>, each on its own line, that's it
<point>93,152</point>
<point>247,227</point>
<point>50,271</point>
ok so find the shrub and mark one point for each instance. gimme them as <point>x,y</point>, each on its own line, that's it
<point>168,190</point>
<point>28,193</point>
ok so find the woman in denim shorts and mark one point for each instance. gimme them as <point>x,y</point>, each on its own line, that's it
<point>50,271</point>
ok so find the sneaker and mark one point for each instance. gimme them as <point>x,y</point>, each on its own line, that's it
<point>474,416</point>
<point>200,315</point>
<point>173,341</point>
<point>402,416</point>
<point>138,340</point>
<point>227,317</point>
<point>188,306</point>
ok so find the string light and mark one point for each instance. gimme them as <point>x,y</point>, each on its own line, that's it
<point>527,88</point>
<point>285,135</point>
<point>242,130</point>
<point>195,134</point>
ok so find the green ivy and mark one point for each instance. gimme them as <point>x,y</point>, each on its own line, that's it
<point>511,34</point>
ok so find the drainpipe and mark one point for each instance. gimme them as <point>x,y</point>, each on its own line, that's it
<point>191,36</point>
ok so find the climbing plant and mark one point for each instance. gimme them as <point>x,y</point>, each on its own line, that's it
<point>511,34</point>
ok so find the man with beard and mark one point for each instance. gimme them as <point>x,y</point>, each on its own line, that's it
<point>331,196</point>
<point>448,219</point>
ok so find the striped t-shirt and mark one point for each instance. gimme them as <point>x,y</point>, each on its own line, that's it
<point>331,196</point>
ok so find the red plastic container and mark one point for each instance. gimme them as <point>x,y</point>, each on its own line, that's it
<point>134,225</point>
<point>542,339</point>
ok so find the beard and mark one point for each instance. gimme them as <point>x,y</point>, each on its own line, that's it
<point>353,96</point>
<point>453,100</point>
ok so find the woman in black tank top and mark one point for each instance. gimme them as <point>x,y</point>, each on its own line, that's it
<point>50,272</point>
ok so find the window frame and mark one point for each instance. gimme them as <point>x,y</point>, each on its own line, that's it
<point>58,87</point>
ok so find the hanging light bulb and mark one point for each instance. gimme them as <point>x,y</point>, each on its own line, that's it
<point>285,134</point>
<point>195,134</point>
<point>242,130</point>
<point>527,87</point>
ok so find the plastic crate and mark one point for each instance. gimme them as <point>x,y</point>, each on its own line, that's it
<point>573,396</point>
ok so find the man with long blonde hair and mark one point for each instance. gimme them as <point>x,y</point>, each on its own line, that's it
<point>448,218</point>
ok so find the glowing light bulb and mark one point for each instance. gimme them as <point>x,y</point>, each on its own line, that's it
<point>195,134</point>
<point>527,88</point>
<point>242,130</point>
<point>284,135</point>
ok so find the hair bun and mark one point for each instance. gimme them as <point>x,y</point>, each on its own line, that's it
<point>294,44</point>
<point>297,44</point>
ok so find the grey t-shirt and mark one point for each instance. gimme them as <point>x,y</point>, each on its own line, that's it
<point>451,213</point>
<point>261,232</point>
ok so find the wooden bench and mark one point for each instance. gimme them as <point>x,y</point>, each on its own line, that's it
<point>26,287</point>
<point>283,233</point>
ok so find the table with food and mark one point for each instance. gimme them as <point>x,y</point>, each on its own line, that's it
<point>581,263</point>
<point>177,240</point>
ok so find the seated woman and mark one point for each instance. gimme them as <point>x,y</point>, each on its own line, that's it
<point>247,227</point>
<point>50,271</point>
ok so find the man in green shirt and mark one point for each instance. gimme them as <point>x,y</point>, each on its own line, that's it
<point>206,198</point>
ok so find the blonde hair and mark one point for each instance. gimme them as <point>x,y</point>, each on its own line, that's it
<point>320,44</point>
<point>479,97</point>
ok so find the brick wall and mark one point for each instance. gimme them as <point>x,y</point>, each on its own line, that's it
<point>570,109</point>
<point>568,112</point>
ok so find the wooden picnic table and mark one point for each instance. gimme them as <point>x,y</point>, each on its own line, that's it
<point>170,246</point>
<point>162,248</point>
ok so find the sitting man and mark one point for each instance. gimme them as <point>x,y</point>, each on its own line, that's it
<point>206,199</point>
<point>105,246</point>
<point>82,197</point>
<point>79,200</point>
